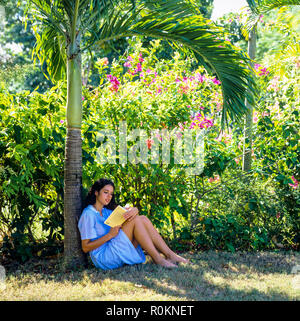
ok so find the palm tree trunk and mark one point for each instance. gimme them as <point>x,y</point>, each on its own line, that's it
<point>73,255</point>
<point>247,148</point>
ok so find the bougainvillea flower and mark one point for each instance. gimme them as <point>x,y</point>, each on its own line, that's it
<point>127,64</point>
<point>216,81</point>
<point>115,83</point>
<point>296,183</point>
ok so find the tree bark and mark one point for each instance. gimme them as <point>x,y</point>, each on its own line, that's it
<point>73,254</point>
<point>247,148</point>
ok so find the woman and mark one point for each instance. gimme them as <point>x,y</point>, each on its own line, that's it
<point>112,247</point>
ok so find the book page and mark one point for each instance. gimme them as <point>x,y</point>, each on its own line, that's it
<point>116,217</point>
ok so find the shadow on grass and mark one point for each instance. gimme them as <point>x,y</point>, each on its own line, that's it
<point>209,278</point>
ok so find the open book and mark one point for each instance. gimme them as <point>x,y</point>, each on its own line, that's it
<point>116,217</point>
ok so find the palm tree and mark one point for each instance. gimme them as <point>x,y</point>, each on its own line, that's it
<point>257,8</point>
<point>68,27</point>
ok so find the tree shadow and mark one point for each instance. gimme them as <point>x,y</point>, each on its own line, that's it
<point>204,280</point>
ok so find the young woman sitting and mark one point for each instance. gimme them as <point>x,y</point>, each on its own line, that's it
<point>112,247</point>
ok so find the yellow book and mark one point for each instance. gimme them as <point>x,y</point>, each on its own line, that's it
<point>116,217</point>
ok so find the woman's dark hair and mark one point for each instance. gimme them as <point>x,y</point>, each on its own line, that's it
<point>97,186</point>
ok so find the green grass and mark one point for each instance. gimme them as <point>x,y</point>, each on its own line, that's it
<point>213,276</point>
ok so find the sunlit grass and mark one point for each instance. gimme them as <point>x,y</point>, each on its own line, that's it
<point>213,276</point>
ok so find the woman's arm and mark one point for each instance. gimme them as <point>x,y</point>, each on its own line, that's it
<point>88,245</point>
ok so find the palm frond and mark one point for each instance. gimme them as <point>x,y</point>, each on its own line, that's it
<point>260,7</point>
<point>202,37</point>
<point>264,6</point>
<point>50,12</point>
<point>50,48</point>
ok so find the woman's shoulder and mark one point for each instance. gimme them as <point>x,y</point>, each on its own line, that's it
<point>88,211</point>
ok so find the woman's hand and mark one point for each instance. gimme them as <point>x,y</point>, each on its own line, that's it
<point>114,231</point>
<point>131,213</point>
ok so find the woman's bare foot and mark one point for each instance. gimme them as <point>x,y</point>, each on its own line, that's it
<point>166,263</point>
<point>174,258</point>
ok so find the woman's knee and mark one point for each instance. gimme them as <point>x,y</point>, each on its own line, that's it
<point>145,219</point>
<point>133,220</point>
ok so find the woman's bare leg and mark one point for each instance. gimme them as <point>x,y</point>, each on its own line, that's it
<point>160,244</point>
<point>135,230</point>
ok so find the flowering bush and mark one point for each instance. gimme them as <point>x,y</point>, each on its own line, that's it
<point>154,96</point>
<point>160,98</point>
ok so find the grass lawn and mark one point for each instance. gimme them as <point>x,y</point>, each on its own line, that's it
<point>213,276</point>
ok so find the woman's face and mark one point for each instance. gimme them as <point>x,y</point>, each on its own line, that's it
<point>105,195</point>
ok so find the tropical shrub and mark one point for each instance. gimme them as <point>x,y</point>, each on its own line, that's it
<point>31,170</point>
<point>220,207</point>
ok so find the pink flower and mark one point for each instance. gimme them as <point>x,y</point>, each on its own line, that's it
<point>296,183</point>
<point>261,70</point>
<point>256,66</point>
<point>127,64</point>
<point>193,124</point>
<point>180,126</point>
<point>277,215</point>
<point>158,136</point>
<point>237,160</point>
<point>141,59</point>
<point>82,98</point>
<point>62,121</point>
<point>139,67</point>
<point>114,83</point>
<point>129,58</point>
<point>255,119</point>
<point>261,18</point>
<point>200,78</point>
<point>216,81</point>
<point>105,61</point>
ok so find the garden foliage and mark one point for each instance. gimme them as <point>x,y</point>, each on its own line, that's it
<point>221,208</point>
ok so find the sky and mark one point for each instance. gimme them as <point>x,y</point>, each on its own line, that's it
<point>224,6</point>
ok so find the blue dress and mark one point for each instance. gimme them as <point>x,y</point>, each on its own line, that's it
<point>115,252</point>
